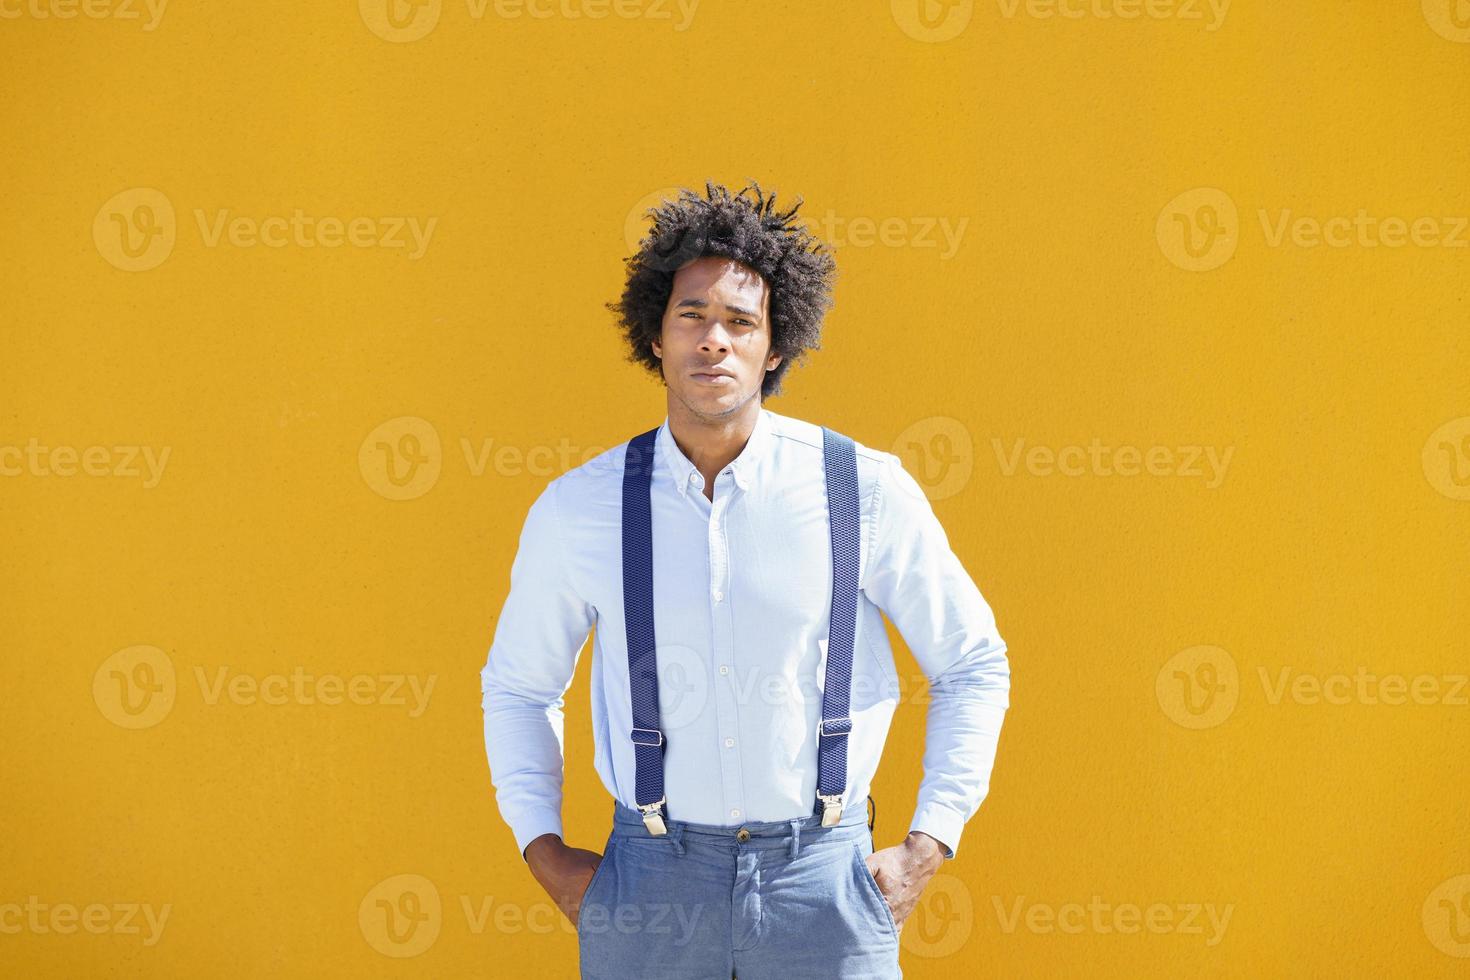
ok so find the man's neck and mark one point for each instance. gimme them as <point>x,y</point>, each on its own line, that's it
<point>711,444</point>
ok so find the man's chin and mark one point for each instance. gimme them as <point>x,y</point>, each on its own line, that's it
<point>704,400</point>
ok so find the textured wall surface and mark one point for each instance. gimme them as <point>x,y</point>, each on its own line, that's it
<point>1163,301</point>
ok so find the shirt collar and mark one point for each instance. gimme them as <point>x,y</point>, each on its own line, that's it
<point>742,467</point>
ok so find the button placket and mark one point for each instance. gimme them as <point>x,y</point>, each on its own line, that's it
<point>719,566</point>
<point>723,628</point>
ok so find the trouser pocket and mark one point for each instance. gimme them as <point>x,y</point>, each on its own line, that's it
<point>878,904</point>
<point>589,900</point>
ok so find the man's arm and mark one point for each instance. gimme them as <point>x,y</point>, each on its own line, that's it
<point>919,582</point>
<point>532,658</point>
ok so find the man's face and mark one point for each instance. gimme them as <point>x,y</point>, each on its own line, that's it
<point>716,337</point>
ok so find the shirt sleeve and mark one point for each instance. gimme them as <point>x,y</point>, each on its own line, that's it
<point>533,656</point>
<point>919,582</point>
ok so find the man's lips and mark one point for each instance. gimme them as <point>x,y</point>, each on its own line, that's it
<point>713,377</point>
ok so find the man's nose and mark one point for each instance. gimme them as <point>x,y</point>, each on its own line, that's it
<point>716,335</point>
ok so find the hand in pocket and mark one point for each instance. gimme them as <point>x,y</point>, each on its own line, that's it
<point>564,873</point>
<point>586,884</point>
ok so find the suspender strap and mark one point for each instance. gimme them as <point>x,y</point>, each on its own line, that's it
<point>840,467</point>
<point>843,519</point>
<point>648,738</point>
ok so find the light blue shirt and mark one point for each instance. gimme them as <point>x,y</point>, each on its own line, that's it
<point>742,601</point>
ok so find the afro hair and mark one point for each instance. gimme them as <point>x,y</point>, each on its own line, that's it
<point>798,269</point>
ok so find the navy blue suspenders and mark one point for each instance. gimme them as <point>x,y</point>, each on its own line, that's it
<point>842,517</point>
<point>840,466</point>
<point>648,738</point>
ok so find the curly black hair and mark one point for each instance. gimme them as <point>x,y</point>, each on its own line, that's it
<point>798,269</point>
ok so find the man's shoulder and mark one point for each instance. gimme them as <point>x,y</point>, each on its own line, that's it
<point>595,471</point>
<point>800,432</point>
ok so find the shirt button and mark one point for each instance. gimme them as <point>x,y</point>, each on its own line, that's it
<point>724,669</point>
<point>719,595</point>
<point>729,742</point>
<point>735,813</point>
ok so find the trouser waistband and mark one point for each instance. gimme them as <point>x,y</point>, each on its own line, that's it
<point>758,834</point>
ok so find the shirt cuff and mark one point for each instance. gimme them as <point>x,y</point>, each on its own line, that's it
<point>941,823</point>
<point>535,823</point>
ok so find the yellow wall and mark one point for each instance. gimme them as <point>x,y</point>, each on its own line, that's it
<point>1054,233</point>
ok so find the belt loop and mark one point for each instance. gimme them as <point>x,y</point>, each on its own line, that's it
<point>676,837</point>
<point>795,836</point>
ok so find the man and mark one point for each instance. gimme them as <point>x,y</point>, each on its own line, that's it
<point>740,756</point>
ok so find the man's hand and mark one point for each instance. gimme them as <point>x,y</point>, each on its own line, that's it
<point>564,872</point>
<point>904,869</point>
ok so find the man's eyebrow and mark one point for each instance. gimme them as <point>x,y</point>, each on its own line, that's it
<point>701,304</point>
